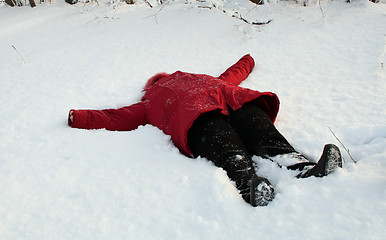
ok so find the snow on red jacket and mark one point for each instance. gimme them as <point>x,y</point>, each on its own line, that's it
<point>173,101</point>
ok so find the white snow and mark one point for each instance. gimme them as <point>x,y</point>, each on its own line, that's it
<point>326,62</point>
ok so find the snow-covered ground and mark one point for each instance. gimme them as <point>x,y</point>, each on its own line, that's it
<point>326,62</point>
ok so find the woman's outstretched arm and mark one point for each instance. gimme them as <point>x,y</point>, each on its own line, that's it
<point>239,71</point>
<point>122,119</point>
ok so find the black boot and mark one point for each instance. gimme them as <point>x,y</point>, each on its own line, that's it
<point>255,190</point>
<point>330,160</point>
<point>262,192</point>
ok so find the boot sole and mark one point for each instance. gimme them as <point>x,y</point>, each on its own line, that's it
<point>261,192</point>
<point>330,160</point>
<point>334,160</point>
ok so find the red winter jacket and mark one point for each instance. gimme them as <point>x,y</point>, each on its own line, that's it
<point>173,101</point>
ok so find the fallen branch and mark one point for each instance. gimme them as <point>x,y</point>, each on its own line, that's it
<point>21,57</point>
<point>321,9</point>
<point>148,3</point>
<point>236,15</point>
<point>348,151</point>
<point>159,10</point>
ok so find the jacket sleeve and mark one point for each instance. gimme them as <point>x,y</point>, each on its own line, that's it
<point>122,119</point>
<point>239,71</point>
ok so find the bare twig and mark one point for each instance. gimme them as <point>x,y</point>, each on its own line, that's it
<point>159,10</point>
<point>321,9</point>
<point>21,57</point>
<point>382,58</point>
<point>261,23</point>
<point>252,23</point>
<point>347,150</point>
<point>209,7</point>
<point>236,15</point>
<point>148,3</point>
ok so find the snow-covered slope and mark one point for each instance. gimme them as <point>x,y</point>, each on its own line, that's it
<point>326,62</point>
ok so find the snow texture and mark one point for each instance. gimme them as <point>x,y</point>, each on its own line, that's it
<point>326,62</point>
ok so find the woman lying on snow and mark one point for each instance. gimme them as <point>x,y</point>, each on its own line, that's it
<point>216,119</point>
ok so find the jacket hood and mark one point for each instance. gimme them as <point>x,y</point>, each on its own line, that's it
<point>154,79</point>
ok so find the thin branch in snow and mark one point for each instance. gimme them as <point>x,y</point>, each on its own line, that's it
<point>148,3</point>
<point>159,10</point>
<point>236,15</point>
<point>21,57</point>
<point>209,7</point>
<point>321,9</point>
<point>382,58</point>
<point>347,150</point>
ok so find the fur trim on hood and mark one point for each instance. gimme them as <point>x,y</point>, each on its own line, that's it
<point>154,79</point>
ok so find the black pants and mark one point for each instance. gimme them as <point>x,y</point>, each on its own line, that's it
<point>230,141</point>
